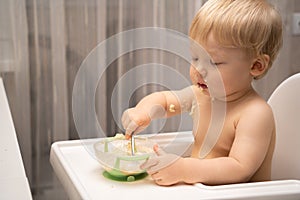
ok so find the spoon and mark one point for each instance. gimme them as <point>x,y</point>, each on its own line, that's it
<point>132,145</point>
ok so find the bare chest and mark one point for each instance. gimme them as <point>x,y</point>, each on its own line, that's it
<point>214,131</point>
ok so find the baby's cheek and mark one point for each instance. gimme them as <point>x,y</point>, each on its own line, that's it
<point>193,74</point>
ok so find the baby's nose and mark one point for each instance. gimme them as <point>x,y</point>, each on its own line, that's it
<point>202,71</point>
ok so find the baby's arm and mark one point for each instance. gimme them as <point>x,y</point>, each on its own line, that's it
<point>254,131</point>
<point>154,106</point>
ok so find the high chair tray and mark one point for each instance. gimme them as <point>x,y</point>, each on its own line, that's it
<point>81,177</point>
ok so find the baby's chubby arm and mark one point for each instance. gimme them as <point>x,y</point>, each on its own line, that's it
<point>151,107</point>
<point>254,130</point>
<point>154,106</point>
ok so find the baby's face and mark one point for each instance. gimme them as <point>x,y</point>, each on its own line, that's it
<point>225,73</point>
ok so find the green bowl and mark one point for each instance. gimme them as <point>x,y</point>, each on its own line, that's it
<point>115,157</point>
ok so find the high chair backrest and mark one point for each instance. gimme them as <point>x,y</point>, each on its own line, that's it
<point>285,102</point>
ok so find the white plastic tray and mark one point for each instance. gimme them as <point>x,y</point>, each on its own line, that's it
<point>81,176</point>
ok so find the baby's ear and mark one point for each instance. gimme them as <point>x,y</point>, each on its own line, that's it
<point>260,65</point>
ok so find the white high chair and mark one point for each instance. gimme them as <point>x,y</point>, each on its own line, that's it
<point>82,177</point>
<point>13,180</point>
<point>285,102</point>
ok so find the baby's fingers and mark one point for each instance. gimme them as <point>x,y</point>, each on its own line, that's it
<point>125,119</point>
<point>149,164</point>
<point>130,129</point>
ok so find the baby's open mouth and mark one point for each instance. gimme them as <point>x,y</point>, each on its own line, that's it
<point>202,85</point>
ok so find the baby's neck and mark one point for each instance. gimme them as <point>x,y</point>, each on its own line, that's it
<point>238,96</point>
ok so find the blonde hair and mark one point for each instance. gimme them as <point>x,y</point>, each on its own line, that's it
<point>253,25</point>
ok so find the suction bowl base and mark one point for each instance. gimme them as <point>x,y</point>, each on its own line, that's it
<point>129,178</point>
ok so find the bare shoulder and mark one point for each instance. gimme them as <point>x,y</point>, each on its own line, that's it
<point>258,105</point>
<point>258,110</point>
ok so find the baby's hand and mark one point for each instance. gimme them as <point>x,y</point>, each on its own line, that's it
<point>134,121</point>
<point>165,169</point>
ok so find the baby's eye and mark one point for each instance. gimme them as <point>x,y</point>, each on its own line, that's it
<point>215,63</point>
<point>212,62</point>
